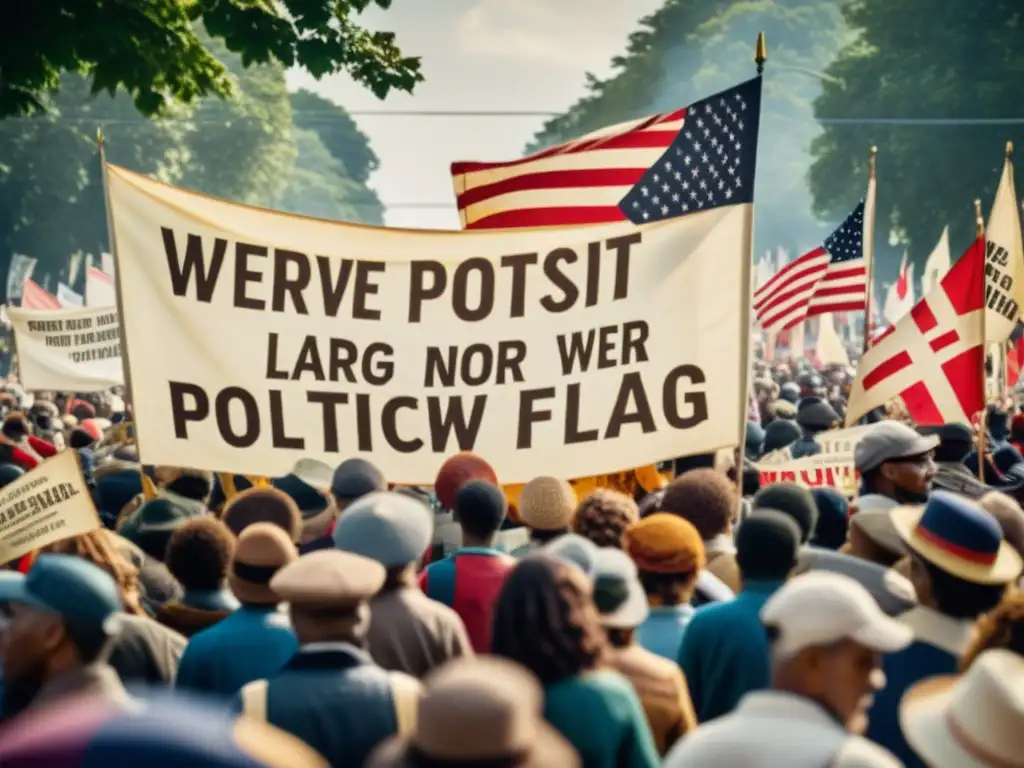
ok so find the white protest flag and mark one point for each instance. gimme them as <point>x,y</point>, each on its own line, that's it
<point>68,298</point>
<point>77,350</point>
<point>937,264</point>
<point>899,299</point>
<point>48,504</point>
<point>18,272</point>
<point>100,290</point>
<point>255,338</point>
<point>1005,260</point>
<point>107,264</point>
<point>830,349</point>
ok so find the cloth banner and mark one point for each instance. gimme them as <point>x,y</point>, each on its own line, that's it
<point>48,504</point>
<point>18,272</point>
<point>833,467</point>
<point>107,263</point>
<point>69,350</point>
<point>255,338</point>
<point>68,298</point>
<point>100,290</point>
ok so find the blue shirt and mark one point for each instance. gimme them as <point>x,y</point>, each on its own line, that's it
<point>724,653</point>
<point>253,643</point>
<point>662,632</point>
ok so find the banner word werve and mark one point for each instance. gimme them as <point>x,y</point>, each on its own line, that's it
<point>256,338</point>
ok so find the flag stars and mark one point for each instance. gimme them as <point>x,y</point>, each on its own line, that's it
<point>677,175</point>
<point>668,165</point>
<point>656,177</point>
<point>644,191</point>
<point>728,194</point>
<point>696,146</point>
<point>664,187</point>
<point>675,197</point>
<point>656,200</point>
<point>700,123</point>
<point>664,210</point>
<point>687,160</point>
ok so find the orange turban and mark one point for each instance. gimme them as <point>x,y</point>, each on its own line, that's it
<point>664,543</point>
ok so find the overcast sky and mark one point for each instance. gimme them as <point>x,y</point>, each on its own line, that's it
<point>481,55</point>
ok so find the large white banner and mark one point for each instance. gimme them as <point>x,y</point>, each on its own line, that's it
<point>255,338</point>
<point>69,350</point>
<point>833,467</point>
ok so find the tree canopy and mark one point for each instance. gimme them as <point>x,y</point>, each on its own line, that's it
<point>155,52</point>
<point>690,49</point>
<point>947,62</point>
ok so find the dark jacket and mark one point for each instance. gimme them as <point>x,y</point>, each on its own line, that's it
<point>146,651</point>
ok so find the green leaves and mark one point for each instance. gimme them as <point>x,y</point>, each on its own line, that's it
<point>153,50</point>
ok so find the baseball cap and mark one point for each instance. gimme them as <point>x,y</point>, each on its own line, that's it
<point>820,608</point>
<point>618,594</point>
<point>888,440</point>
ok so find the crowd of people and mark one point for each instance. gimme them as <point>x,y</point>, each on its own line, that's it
<point>686,618</point>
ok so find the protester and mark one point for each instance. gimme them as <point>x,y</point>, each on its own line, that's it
<point>256,640</point>
<point>603,517</point>
<point>352,479</point>
<point>1002,627</point>
<point>62,618</point>
<point>331,694</point>
<point>826,634</point>
<point>973,720</point>
<point>956,441</point>
<point>622,607</point>
<point>546,621</point>
<point>708,500</point>
<point>724,653</point>
<point>262,505</point>
<point>198,556</point>
<point>832,519</point>
<point>408,631</point>
<point>960,569</point>
<point>309,486</point>
<point>813,416</point>
<point>793,500</point>
<point>895,465</point>
<point>454,473</point>
<point>892,591</point>
<point>486,712</point>
<point>151,526</point>
<point>546,507</point>
<point>470,578</point>
<point>781,433</point>
<point>573,549</point>
<point>669,555</point>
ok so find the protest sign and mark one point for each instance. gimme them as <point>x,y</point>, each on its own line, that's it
<point>832,468</point>
<point>71,350</point>
<point>50,503</point>
<point>255,338</point>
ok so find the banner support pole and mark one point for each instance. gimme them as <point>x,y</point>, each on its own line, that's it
<point>872,154</point>
<point>982,425</point>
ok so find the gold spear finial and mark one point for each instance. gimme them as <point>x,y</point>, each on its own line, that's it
<point>872,153</point>
<point>760,53</point>
<point>1009,149</point>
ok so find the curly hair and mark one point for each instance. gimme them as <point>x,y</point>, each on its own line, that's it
<point>199,553</point>
<point>1003,627</point>
<point>98,547</point>
<point>704,497</point>
<point>603,516</point>
<point>545,620</point>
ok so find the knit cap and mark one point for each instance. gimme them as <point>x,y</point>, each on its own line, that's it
<point>793,500</point>
<point>458,470</point>
<point>664,543</point>
<point>547,504</point>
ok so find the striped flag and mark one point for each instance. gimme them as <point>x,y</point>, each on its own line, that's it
<point>34,296</point>
<point>688,160</point>
<point>830,278</point>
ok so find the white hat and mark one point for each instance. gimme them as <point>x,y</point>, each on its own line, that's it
<point>618,594</point>
<point>820,608</point>
<point>314,473</point>
<point>973,720</point>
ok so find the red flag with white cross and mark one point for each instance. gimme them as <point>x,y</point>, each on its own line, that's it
<point>932,358</point>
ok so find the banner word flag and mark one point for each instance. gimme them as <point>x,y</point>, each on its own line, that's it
<point>933,357</point>
<point>18,272</point>
<point>937,264</point>
<point>645,170</point>
<point>255,338</point>
<point>830,278</point>
<point>100,290</point>
<point>68,298</point>
<point>34,296</point>
<point>899,299</point>
<point>1005,261</point>
<point>48,504</point>
<point>69,350</point>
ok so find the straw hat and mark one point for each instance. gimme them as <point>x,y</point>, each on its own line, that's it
<point>483,710</point>
<point>958,536</point>
<point>263,549</point>
<point>970,721</point>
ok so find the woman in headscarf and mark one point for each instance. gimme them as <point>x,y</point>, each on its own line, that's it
<point>545,620</point>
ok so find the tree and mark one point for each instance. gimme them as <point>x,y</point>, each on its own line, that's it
<point>690,49</point>
<point>337,130</point>
<point>153,51</point>
<point>927,61</point>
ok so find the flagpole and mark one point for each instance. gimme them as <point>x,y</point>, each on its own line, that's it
<point>982,426</point>
<point>746,300</point>
<point>869,242</point>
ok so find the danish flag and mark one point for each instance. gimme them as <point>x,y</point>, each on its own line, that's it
<point>933,357</point>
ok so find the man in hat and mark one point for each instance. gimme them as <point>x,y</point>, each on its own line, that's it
<point>813,416</point>
<point>331,694</point>
<point>256,640</point>
<point>309,486</point>
<point>546,507</point>
<point>353,479</point>
<point>63,616</point>
<point>956,442</point>
<point>409,632</point>
<point>826,634</point>
<point>960,568</point>
<point>454,473</point>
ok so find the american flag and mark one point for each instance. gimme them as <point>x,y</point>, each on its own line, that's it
<point>830,278</point>
<point>34,296</point>
<point>666,165</point>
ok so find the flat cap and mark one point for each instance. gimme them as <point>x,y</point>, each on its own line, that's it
<point>329,577</point>
<point>356,477</point>
<point>391,528</point>
<point>888,440</point>
<point>65,585</point>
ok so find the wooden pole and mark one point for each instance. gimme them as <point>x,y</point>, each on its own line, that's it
<point>982,425</point>
<point>869,247</point>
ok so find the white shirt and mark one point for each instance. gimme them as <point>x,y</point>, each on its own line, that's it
<point>773,729</point>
